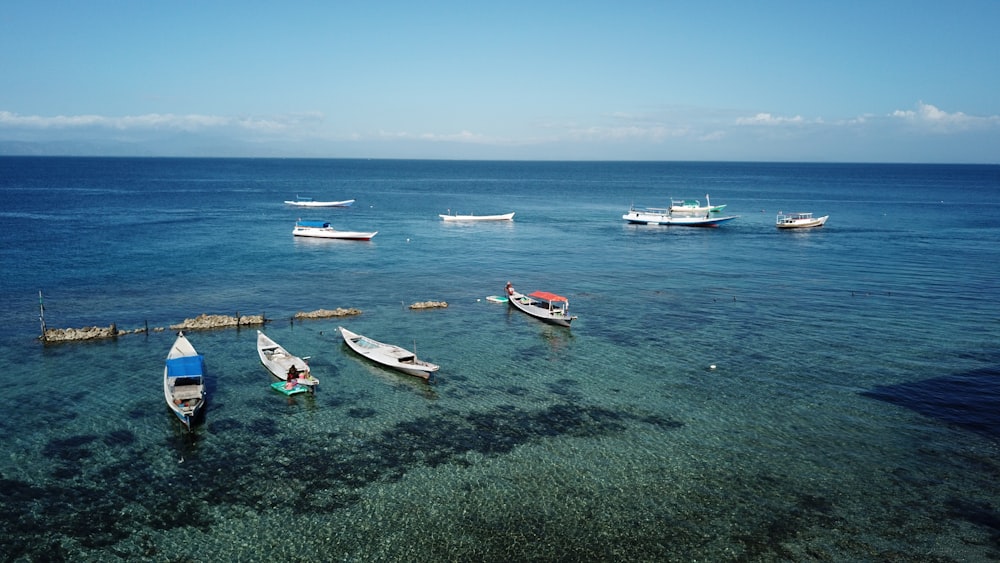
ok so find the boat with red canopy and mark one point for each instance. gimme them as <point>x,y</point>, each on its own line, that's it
<point>545,306</point>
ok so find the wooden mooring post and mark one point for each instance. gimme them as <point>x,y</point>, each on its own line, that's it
<point>41,313</point>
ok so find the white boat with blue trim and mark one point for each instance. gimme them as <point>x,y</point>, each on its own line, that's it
<point>323,229</point>
<point>664,216</point>
<point>184,381</point>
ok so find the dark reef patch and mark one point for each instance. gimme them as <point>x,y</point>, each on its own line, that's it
<point>967,400</point>
<point>309,472</point>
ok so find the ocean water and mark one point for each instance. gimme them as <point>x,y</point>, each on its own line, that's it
<point>738,393</point>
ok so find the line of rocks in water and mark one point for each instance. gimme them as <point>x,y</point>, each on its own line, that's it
<point>201,322</point>
<point>429,305</point>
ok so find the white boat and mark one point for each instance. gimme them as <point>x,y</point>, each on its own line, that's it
<point>308,202</point>
<point>388,355</point>
<point>799,220</point>
<point>504,217</point>
<point>184,381</point>
<point>548,307</point>
<point>694,206</point>
<point>661,216</point>
<point>322,229</point>
<point>284,365</point>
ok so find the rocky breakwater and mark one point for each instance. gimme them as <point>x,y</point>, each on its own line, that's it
<point>85,333</point>
<point>204,322</point>
<point>429,305</point>
<point>328,313</point>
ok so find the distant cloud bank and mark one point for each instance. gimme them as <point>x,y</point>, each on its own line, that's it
<point>658,133</point>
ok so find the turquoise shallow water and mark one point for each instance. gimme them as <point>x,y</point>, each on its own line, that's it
<point>851,413</point>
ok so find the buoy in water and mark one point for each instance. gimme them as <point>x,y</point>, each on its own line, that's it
<point>711,366</point>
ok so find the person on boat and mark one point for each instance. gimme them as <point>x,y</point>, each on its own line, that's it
<point>509,288</point>
<point>293,373</point>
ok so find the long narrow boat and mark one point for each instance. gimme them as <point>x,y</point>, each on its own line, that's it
<point>661,216</point>
<point>545,306</point>
<point>504,217</point>
<point>284,365</point>
<point>799,220</point>
<point>184,381</point>
<point>308,202</point>
<point>388,355</point>
<point>322,229</point>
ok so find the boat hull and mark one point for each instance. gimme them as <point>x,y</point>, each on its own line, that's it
<point>456,218</point>
<point>647,217</point>
<point>329,233</point>
<point>345,203</point>
<point>388,355</point>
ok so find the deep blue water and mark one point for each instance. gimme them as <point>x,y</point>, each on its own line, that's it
<point>853,412</point>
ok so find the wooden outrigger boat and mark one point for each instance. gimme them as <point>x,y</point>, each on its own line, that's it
<point>545,306</point>
<point>284,365</point>
<point>661,216</point>
<point>388,355</point>
<point>300,201</point>
<point>503,217</point>
<point>184,381</point>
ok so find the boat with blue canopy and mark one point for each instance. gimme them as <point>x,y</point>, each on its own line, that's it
<point>184,381</point>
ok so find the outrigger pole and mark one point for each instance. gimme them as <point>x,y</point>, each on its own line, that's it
<point>41,313</point>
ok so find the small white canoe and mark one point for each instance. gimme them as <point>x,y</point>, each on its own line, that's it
<point>283,364</point>
<point>306,202</point>
<point>388,355</point>
<point>504,217</point>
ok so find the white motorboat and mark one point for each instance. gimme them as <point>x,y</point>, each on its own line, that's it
<point>799,220</point>
<point>388,355</point>
<point>322,229</point>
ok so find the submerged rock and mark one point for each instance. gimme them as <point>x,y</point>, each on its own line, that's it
<point>429,305</point>
<point>327,313</point>
<point>204,321</point>
<point>85,333</point>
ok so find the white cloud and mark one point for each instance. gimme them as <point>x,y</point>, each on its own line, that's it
<point>157,121</point>
<point>460,137</point>
<point>769,119</point>
<point>936,119</point>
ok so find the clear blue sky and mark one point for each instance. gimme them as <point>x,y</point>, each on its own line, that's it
<point>856,81</point>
